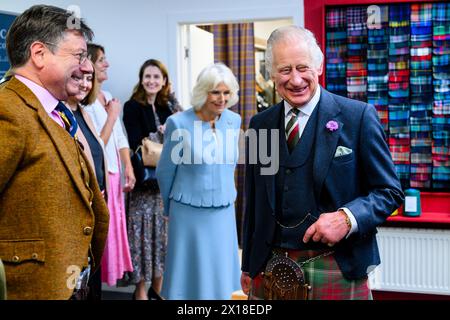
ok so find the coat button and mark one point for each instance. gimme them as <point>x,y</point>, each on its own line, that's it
<point>286,188</point>
<point>87,231</point>
<point>15,259</point>
<point>288,171</point>
<point>34,255</point>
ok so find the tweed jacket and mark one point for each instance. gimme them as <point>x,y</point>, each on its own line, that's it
<point>52,213</point>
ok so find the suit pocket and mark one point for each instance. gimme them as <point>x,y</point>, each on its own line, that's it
<point>346,158</point>
<point>22,256</point>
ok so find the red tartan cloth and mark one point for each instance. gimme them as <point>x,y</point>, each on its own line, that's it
<point>324,277</point>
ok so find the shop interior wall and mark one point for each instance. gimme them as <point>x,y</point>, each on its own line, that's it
<point>133,31</point>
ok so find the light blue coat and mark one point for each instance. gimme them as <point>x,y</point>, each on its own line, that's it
<point>195,168</point>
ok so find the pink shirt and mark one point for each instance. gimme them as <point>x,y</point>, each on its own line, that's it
<point>48,101</point>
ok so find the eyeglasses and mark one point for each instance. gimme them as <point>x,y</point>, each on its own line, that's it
<point>82,56</point>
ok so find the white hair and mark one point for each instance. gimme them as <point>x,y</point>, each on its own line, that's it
<point>294,34</point>
<point>209,79</point>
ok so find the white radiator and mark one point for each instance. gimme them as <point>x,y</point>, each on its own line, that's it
<point>413,260</point>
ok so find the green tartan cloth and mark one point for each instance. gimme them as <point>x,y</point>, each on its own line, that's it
<point>323,276</point>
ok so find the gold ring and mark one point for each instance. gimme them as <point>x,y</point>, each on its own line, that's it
<point>330,244</point>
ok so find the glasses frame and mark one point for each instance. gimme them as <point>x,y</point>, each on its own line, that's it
<point>82,56</point>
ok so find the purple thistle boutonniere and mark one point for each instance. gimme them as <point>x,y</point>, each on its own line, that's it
<point>332,125</point>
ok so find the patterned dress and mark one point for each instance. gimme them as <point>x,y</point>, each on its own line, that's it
<point>147,234</point>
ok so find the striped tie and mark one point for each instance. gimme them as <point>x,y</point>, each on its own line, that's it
<point>292,130</point>
<point>70,123</point>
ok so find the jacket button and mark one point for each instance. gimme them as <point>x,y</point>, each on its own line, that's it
<point>87,231</point>
<point>15,259</point>
<point>288,171</point>
<point>286,188</point>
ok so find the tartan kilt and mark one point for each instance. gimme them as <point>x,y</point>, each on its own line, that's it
<point>323,276</point>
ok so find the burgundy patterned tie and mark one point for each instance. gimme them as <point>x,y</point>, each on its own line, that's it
<point>293,130</point>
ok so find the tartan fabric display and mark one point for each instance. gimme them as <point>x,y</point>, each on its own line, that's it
<point>336,24</point>
<point>398,90</point>
<point>421,92</point>
<point>357,52</point>
<point>441,106</point>
<point>401,65</point>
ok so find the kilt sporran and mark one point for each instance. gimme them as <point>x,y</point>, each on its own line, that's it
<point>284,279</point>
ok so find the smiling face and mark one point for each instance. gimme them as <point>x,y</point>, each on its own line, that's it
<point>101,67</point>
<point>61,71</point>
<point>216,101</point>
<point>295,76</point>
<point>85,86</point>
<point>153,80</point>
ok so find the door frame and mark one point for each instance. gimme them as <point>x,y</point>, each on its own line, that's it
<point>177,19</point>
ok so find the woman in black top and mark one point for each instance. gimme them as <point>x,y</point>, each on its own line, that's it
<point>146,112</point>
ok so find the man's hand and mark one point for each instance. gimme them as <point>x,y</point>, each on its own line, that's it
<point>330,228</point>
<point>245,282</point>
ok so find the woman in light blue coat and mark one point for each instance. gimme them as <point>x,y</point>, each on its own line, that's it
<point>196,178</point>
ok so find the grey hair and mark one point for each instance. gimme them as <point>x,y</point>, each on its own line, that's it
<point>209,79</point>
<point>293,34</point>
<point>43,23</point>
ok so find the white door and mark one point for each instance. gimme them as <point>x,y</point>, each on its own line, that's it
<point>198,46</point>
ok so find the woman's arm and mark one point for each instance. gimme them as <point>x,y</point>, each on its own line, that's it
<point>166,168</point>
<point>130,179</point>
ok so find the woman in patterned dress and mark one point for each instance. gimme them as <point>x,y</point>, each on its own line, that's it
<point>146,112</point>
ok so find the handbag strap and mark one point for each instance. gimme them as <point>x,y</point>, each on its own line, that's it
<point>157,121</point>
<point>156,136</point>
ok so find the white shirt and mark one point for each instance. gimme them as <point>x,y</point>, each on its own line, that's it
<point>118,139</point>
<point>302,119</point>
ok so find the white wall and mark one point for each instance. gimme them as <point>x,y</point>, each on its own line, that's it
<point>263,29</point>
<point>135,30</point>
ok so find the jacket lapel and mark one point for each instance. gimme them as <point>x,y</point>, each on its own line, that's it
<point>272,122</point>
<point>61,139</point>
<point>326,140</point>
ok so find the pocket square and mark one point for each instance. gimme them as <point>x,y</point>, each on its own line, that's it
<point>342,151</point>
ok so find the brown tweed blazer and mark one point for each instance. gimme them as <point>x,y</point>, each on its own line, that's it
<point>52,214</point>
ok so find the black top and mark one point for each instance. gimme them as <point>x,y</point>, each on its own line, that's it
<point>96,149</point>
<point>139,120</point>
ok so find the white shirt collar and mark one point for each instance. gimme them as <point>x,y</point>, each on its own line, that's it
<point>307,108</point>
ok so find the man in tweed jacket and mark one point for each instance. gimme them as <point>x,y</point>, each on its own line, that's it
<point>52,213</point>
